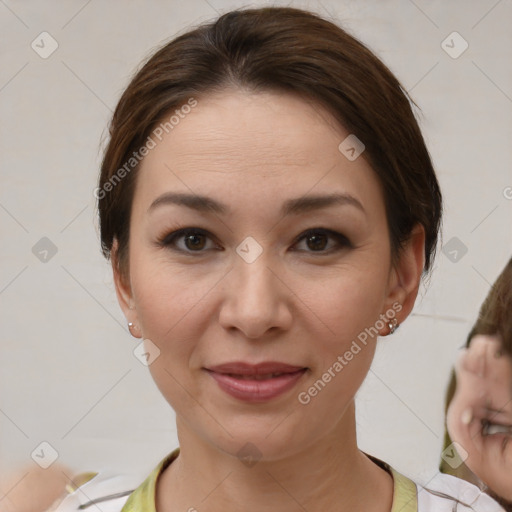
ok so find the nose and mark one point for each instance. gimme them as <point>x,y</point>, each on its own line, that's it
<point>482,348</point>
<point>256,299</point>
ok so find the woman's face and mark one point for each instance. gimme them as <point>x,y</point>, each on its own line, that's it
<point>248,284</point>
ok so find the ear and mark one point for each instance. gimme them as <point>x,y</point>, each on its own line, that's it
<point>123,290</point>
<point>405,275</point>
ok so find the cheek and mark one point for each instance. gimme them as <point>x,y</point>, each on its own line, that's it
<point>344,331</point>
<point>465,435</point>
<point>170,310</point>
<point>452,421</point>
<point>348,305</point>
<point>166,297</point>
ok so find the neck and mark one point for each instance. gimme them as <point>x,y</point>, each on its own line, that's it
<point>332,474</point>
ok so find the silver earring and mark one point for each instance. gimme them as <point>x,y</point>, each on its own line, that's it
<point>393,325</point>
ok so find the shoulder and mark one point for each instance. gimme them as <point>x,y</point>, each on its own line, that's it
<point>440,493</point>
<point>109,492</point>
<point>448,493</point>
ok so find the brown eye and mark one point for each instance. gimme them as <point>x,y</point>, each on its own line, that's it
<point>194,240</point>
<point>317,240</point>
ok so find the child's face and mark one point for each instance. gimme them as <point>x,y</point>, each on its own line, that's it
<point>212,298</point>
<point>479,418</point>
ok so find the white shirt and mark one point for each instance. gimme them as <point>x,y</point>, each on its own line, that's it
<point>124,493</point>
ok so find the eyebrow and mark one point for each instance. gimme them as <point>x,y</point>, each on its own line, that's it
<point>296,206</point>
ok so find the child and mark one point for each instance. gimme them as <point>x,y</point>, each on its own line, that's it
<point>479,398</point>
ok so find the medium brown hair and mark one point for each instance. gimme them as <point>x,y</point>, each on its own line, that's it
<point>495,316</point>
<point>287,50</point>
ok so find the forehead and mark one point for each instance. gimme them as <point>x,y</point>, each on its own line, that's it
<point>253,145</point>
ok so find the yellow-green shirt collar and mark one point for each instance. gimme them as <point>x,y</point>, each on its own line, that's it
<point>143,498</point>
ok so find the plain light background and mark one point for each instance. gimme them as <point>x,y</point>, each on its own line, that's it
<point>68,373</point>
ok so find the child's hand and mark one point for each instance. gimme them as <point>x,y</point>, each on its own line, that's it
<point>480,415</point>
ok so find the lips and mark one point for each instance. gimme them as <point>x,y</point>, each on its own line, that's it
<point>244,369</point>
<point>256,383</point>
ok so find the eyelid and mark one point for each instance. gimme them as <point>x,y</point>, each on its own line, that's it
<point>169,239</point>
<point>339,237</point>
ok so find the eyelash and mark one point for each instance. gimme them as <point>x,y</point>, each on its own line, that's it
<point>169,240</point>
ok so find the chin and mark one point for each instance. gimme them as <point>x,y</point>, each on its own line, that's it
<point>252,441</point>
